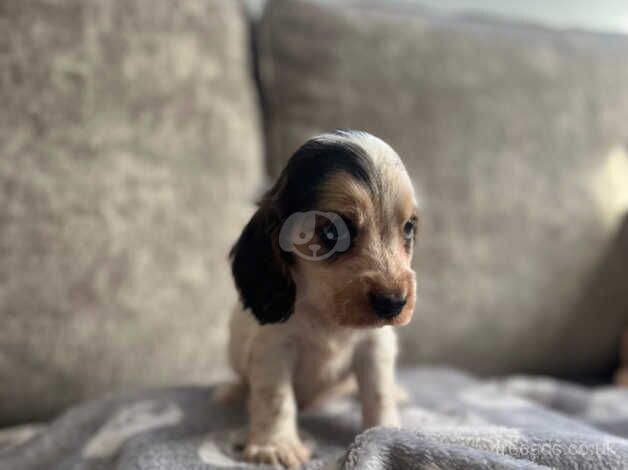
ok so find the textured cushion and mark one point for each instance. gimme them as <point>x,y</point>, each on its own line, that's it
<point>130,151</point>
<point>516,139</point>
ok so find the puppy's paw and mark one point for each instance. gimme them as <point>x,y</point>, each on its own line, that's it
<point>290,454</point>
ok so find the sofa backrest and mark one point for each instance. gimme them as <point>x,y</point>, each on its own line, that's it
<point>130,155</point>
<point>516,137</point>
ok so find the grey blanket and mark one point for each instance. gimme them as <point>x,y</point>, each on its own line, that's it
<point>452,421</point>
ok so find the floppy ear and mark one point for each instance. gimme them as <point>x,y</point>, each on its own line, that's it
<point>260,273</point>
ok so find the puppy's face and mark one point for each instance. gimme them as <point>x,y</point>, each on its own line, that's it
<point>364,241</point>
<point>343,232</point>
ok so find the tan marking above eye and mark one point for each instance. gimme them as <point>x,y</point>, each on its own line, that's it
<point>342,194</point>
<point>354,217</point>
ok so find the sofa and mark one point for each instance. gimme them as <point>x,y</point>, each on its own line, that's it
<point>136,136</point>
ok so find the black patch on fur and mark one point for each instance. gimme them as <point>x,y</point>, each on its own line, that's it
<point>260,269</point>
<point>261,276</point>
<point>311,164</point>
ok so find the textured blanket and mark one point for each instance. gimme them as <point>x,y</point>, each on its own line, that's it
<point>452,421</point>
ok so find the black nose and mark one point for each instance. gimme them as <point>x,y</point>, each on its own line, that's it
<point>387,306</point>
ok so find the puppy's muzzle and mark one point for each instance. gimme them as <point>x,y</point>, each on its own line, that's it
<point>387,306</point>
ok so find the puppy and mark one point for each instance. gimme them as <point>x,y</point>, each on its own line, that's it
<point>323,271</point>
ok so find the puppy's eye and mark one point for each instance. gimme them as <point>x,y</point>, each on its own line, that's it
<point>409,229</point>
<point>336,234</point>
<point>329,234</point>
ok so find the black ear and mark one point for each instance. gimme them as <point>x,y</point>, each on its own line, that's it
<point>260,273</point>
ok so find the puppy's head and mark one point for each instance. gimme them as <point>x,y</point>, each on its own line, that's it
<point>334,236</point>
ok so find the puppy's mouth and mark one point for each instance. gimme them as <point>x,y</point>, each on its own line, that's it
<point>393,302</point>
<point>375,308</point>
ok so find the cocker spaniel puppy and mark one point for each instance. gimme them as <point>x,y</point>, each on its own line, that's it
<point>323,271</point>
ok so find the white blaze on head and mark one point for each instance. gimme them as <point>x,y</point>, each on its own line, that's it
<point>384,157</point>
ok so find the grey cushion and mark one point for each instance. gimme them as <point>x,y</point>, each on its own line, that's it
<point>516,139</point>
<point>130,151</point>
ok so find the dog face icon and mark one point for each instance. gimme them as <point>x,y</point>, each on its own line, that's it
<point>314,235</point>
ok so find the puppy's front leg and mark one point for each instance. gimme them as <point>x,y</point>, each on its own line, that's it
<point>374,366</point>
<point>273,436</point>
